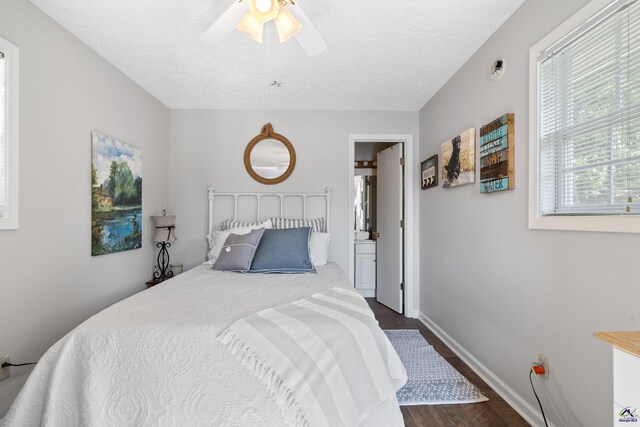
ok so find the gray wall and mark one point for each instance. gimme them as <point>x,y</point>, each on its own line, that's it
<point>504,292</point>
<point>49,281</point>
<point>210,145</point>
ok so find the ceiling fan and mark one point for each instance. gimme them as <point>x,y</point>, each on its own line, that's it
<point>249,17</point>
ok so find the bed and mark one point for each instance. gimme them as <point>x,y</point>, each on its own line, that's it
<point>171,356</point>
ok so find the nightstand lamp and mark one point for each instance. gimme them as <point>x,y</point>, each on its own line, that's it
<point>165,234</point>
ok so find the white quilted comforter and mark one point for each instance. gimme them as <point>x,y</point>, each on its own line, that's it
<point>154,360</point>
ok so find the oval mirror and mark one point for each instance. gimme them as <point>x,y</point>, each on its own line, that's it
<point>269,158</point>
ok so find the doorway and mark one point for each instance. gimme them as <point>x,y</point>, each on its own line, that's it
<point>372,270</point>
<point>363,252</point>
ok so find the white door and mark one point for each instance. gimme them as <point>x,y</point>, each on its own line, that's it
<point>390,240</point>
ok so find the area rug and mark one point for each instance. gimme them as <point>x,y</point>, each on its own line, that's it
<point>432,380</point>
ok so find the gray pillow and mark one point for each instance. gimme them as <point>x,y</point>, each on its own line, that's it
<point>238,251</point>
<point>284,251</point>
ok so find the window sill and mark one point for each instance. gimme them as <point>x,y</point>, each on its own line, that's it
<point>604,223</point>
<point>9,223</point>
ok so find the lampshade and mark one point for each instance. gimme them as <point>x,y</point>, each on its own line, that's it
<point>251,27</point>
<point>287,25</point>
<point>165,228</point>
<point>264,10</point>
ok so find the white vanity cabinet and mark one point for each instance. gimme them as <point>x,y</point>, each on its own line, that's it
<point>365,267</point>
<point>626,375</point>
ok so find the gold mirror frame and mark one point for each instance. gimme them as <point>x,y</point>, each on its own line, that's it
<point>268,133</point>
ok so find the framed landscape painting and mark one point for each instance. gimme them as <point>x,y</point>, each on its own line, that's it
<point>459,159</point>
<point>116,195</point>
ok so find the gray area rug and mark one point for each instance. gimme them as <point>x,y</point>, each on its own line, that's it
<point>432,380</point>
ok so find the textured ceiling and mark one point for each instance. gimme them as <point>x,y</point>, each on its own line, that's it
<point>382,55</point>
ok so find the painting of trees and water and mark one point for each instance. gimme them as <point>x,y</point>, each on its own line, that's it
<point>116,195</point>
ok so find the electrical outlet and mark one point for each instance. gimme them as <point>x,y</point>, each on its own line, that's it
<point>545,362</point>
<point>4,372</point>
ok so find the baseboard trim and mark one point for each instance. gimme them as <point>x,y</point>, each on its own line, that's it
<point>413,314</point>
<point>517,402</point>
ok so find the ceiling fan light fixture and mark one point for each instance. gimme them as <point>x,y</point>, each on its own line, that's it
<point>291,22</point>
<point>251,27</point>
<point>287,25</point>
<point>264,10</point>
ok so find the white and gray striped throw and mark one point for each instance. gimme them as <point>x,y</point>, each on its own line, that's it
<point>324,359</point>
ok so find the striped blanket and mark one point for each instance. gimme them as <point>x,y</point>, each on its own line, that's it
<point>323,358</point>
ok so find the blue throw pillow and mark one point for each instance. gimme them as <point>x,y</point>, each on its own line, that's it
<point>283,251</point>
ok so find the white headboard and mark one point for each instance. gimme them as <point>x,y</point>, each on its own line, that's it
<point>212,194</point>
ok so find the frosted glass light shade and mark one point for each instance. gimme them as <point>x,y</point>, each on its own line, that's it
<point>264,10</point>
<point>287,25</point>
<point>165,228</point>
<point>251,27</point>
<point>263,5</point>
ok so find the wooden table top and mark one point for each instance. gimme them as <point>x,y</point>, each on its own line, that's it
<point>628,341</point>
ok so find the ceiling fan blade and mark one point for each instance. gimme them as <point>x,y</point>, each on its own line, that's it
<point>308,37</point>
<point>223,26</point>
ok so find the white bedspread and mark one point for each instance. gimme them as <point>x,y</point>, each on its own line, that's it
<point>154,360</point>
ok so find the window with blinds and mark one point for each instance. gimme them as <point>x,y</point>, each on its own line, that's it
<point>3,137</point>
<point>9,86</point>
<point>588,130</point>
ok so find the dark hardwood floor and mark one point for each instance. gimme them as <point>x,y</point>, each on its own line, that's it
<point>493,413</point>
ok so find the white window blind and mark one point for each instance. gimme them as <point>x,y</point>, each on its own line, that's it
<point>3,137</point>
<point>589,118</point>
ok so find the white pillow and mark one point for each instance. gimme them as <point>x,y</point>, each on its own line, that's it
<point>319,248</point>
<point>217,238</point>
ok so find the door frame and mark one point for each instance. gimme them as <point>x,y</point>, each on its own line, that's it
<point>410,229</point>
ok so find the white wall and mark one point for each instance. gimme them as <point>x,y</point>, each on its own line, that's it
<point>48,280</point>
<point>504,292</point>
<point>207,147</point>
